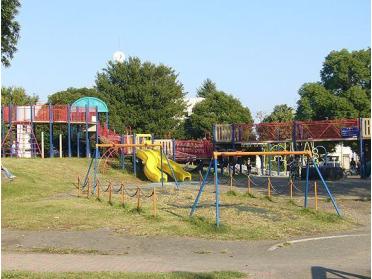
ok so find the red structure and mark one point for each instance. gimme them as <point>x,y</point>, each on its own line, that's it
<point>42,114</point>
<point>323,130</point>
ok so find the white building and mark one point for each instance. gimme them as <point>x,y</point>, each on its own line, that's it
<point>342,156</point>
<point>191,102</point>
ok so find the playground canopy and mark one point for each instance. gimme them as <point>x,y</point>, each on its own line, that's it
<point>91,102</point>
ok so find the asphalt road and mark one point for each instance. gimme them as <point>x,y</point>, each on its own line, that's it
<point>342,257</point>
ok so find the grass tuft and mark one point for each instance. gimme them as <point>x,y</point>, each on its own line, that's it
<point>232,193</point>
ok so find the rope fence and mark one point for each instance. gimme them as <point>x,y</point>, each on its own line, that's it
<point>140,195</point>
<point>125,194</point>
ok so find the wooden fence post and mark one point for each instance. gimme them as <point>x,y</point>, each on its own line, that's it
<point>78,187</point>
<point>138,198</point>
<point>249,185</point>
<point>110,193</point>
<point>154,200</point>
<point>122,194</point>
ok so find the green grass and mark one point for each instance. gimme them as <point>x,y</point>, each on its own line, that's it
<point>43,197</point>
<point>124,275</point>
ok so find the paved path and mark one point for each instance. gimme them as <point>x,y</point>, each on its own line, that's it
<point>328,258</point>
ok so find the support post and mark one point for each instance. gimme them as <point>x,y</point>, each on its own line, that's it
<point>87,143</point>
<point>122,158</point>
<point>201,189</point>
<point>2,131</point>
<point>269,160</point>
<point>233,136</point>
<point>316,195</point>
<point>60,145</point>
<point>33,153</point>
<point>95,169</point>
<point>134,155</point>
<point>307,181</point>
<point>107,120</point>
<point>161,166</point>
<point>174,149</point>
<point>217,193</point>
<point>327,189</point>
<point>172,171</point>
<point>42,145</point>
<point>69,130</point>
<point>361,149</point>
<point>97,126</point>
<point>78,141</point>
<point>51,151</point>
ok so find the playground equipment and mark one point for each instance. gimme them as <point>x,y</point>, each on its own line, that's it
<point>214,162</point>
<point>239,136</point>
<point>19,124</point>
<point>7,173</point>
<point>155,162</point>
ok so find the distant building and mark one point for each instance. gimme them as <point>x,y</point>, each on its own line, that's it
<point>342,156</point>
<point>191,102</point>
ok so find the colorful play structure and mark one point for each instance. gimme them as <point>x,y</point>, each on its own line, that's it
<point>84,125</point>
<point>293,136</point>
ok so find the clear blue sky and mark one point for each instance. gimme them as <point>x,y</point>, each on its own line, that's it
<point>259,51</point>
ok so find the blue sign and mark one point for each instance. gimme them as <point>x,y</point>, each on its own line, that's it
<point>349,132</point>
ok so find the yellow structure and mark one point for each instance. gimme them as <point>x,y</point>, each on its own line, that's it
<point>179,172</point>
<point>150,167</point>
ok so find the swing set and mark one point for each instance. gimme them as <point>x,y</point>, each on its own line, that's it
<point>214,163</point>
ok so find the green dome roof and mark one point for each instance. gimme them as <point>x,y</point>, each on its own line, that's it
<point>91,102</point>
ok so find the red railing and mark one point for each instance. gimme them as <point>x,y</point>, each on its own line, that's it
<point>325,129</point>
<point>41,114</point>
<point>198,148</point>
<point>283,131</point>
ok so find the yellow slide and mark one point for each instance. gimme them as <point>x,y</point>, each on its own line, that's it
<point>150,167</point>
<point>179,172</point>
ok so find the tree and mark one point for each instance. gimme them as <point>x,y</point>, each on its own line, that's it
<point>71,94</point>
<point>9,30</point>
<point>343,70</point>
<point>281,113</point>
<point>16,96</point>
<point>344,90</point>
<point>143,96</point>
<point>206,88</point>
<point>217,107</point>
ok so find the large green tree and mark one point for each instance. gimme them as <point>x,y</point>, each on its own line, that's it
<point>206,88</point>
<point>281,113</point>
<point>344,89</point>
<point>16,96</point>
<point>71,94</point>
<point>9,30</point>
<point>217,107</point>
<point>143,96</point>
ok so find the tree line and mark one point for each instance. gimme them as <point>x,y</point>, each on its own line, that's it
<point>150,98</point>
